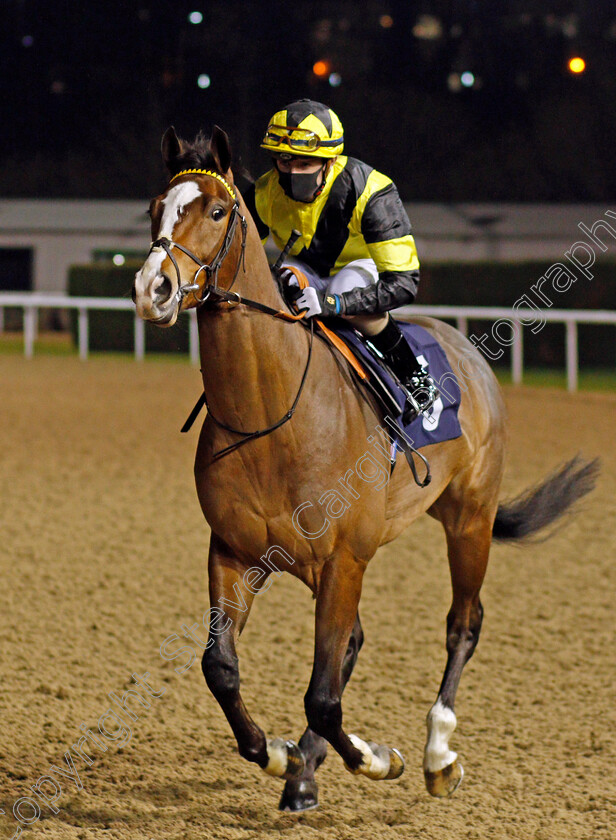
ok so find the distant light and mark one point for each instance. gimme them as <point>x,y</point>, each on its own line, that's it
<point>58,87</point>
<point>577,65</point>
<point>335,79</point>
<point>570,26</point>
<point>467,79</point>
<point>27,41</point>
<point>119,259</point>
<point>386,21</point>
<point>321,68</point>
<point>204,81</point>
<point>428,28</point>
<point>453,82</point>
<point>195,17</point>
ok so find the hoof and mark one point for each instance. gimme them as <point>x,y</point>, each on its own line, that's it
<point>396,764</point>
<point>444,782</point>
<point>379,761</point>
<point>285,759</point>
<point>299,795</point>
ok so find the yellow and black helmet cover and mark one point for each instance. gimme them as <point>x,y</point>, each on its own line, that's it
<point>305,128</point>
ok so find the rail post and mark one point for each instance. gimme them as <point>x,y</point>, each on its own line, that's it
<point>139,338</point>
<point>30,313</point>
<point>572,356</point>
<point>517,354</point>
<point>82,333</point>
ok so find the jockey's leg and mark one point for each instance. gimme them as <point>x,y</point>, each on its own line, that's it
<point>385,334</point>
<point>382,331</point>
<point>414,377</point>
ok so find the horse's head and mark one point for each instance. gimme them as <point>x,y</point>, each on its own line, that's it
<point>194,226</point>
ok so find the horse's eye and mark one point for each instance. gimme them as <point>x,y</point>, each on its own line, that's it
<point>218,214</point>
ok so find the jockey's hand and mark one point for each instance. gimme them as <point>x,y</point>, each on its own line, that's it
<point>290,285</point>
<point>288,277</point>
<point>318,303</point>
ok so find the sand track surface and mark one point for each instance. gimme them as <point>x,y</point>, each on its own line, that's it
<point>103,558</point>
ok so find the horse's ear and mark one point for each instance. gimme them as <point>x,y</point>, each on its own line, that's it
<point>170,147</point>
<point>220,148</point>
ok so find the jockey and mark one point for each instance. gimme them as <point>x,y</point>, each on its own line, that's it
<point>355,249</point>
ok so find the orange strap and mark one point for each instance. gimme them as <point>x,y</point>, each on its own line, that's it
<point>331,336</point>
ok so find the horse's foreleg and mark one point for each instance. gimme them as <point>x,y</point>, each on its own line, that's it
<point>336,608</point>
<point>468,558</point>
<point>220,665</point>
<point>301,794</point>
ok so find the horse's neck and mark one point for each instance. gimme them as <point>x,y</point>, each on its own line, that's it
<point>251,362</point>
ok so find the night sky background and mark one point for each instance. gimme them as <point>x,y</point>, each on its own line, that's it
<point>456,101</point>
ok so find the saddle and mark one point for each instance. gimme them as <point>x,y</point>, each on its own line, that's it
<point>375,378</point>
<point>438,424</point>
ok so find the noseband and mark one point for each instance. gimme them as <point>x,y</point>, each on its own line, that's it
<point>210,269</point>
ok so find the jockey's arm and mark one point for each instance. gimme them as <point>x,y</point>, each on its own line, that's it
<point>386,229</point>
<point>394,289</point>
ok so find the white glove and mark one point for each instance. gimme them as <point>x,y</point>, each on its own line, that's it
<point>319,303</point>
<point>310,300</point>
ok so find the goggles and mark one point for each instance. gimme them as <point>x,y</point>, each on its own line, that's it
<point>299,139</point>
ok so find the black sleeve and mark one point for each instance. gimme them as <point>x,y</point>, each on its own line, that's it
<point>384,221</point>
<point>249,199</point>
<point>384,218</point>
<point>395,288</point>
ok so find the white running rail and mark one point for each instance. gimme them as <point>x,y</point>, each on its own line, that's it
<point>32,302</point>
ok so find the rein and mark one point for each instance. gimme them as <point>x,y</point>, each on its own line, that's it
<point>247,436</point>
<point>212,293</point>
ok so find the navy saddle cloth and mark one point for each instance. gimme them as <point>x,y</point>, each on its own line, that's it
<point>441,422</point>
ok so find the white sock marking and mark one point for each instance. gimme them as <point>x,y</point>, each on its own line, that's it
<point>441,723</point>
<point>277,757</point>
<point>373,766</point>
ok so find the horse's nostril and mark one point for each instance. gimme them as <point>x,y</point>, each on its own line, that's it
<point>162,292</point>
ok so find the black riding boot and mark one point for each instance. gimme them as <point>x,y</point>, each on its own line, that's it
<point>421,391</point>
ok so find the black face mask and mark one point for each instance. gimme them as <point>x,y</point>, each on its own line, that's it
<point>300,186</point>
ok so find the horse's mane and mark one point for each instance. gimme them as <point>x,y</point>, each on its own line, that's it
<point>198,155</point>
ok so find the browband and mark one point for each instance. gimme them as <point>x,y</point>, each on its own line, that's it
<point>207,172</point>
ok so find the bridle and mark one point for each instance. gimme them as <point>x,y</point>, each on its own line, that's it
<point>212,293</point>
<point>211,268</point>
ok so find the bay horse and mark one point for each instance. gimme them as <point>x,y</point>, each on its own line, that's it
<point>286,422</point>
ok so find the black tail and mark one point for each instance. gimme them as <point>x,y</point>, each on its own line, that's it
<point>540,506</point>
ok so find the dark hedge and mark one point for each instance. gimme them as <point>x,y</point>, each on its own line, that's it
<point>115,330</point>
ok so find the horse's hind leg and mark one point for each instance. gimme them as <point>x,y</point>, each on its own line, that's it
<point>301,794</point>
<point>469,534</point>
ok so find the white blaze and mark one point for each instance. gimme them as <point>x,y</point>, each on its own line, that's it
<point>175,202</point>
